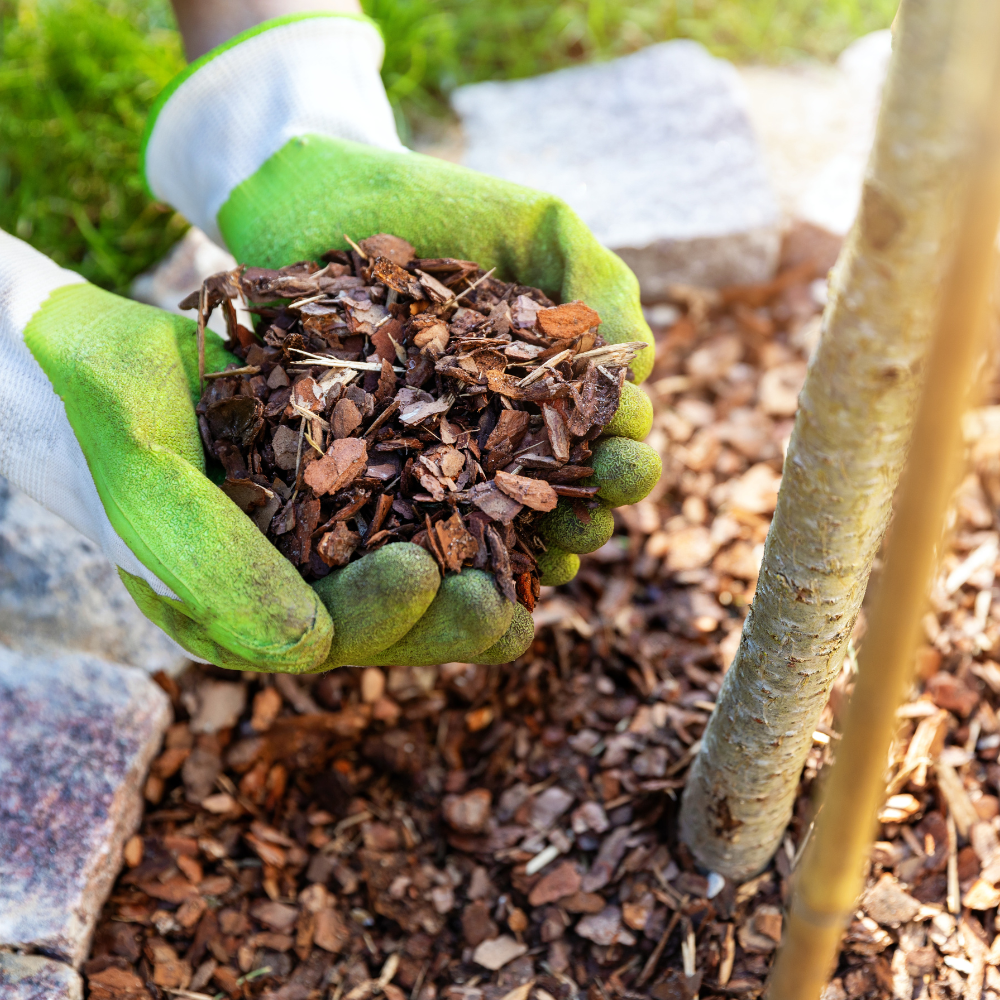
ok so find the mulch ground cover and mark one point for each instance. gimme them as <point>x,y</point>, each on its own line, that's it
<point>508,832</point>
<point>397,399</point>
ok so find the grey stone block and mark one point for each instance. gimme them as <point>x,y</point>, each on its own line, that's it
<point>654,151</point>
<point>32,977</point>
<point>79,734</point>
<point>58,592</point>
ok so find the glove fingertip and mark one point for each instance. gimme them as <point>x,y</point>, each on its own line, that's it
<point>175,620</point>
<point>634,416</point>
<point>624,470</point>
<point>564,528</point>
<point>514,642</point>
<point>557,566</point>
<point>375,601</point>
<point>467,615</point>
<point>642,363</point>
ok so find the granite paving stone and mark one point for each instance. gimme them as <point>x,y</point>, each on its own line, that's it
<point>34,977</point>
<point>59,593</point>
<point>77,735</point>
<point>654,150</point>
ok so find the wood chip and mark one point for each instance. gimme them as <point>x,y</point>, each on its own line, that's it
<point>533,493</point>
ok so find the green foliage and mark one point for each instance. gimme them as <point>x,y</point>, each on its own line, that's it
<point>76,81</point>
<point>77,78</point>
<point>435,45</point>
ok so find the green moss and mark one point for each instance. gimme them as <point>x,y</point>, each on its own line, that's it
<point>76,80</point>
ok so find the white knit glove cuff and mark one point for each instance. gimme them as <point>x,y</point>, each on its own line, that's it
<point>39,452</point>
<point>235,108</point>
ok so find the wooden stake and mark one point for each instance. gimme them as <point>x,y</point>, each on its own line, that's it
<point>830,876</point>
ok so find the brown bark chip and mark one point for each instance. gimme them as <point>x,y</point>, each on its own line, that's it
<point>563,880</point>
<point>343,462</point>
<point>336,547</point>
<point>468,813</point>
<point>335,806</point>
<point>567,321</point>
<point>345,419</point>
<point>533,493</point>
<point>424,380</point>
<point>393,248</point>
<point>331,932</point>
<point>477,924</point>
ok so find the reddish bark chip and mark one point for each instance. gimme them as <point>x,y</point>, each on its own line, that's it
<point>533,493</point>
<point>468,813</point>
<point>345,419</point>
<point>336,547</point>
<point>394,248</point>
<point>563,880</point>
<point>382,340</point>
<point>947,691</point>
<point>567,321</point>
<point>344,461</point>
<point>331,932</point>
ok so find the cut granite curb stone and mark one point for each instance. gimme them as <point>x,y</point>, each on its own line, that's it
<point>33,977</point>
<point>79,734</point>
<point>59,593</point>
<point>655,151</point>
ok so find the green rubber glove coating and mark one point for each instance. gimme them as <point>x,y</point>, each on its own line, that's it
<point>557,566</point>
<point>314,189</point>
<point>175,620</point>
<point>375,601</point>
<point>467,616</point>
<point>625,470</point>
<point>562,528</point>
<point>634,416</point>
<point>514,642</point>
<point>127,374</point>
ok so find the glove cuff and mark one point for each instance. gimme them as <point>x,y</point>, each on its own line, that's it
<point>230,111</point>
<point>39,453</point>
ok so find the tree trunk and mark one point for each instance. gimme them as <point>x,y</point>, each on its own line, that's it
<point>847,449</point>
<point>829,878</point>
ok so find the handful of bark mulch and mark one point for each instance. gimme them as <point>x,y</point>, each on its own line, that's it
<point>386,398</point>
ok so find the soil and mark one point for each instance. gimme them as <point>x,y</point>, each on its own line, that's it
<point>508,832</point>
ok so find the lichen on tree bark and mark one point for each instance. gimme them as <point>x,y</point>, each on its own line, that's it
<point>844,459</point>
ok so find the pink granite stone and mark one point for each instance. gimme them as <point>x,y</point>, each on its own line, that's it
<point>33,977</point>
<point>77,735</point>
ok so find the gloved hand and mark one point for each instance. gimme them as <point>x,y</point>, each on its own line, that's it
<point>97,408</point>
<point>282,141</point>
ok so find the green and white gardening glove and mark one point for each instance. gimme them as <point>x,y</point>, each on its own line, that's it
<point>279,143</point>
<point>97,399</point>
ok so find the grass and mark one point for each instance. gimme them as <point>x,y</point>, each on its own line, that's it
<point>77,78</point>
<point>76,81</point>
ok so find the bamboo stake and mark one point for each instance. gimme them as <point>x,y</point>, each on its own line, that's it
<point>830,877</point>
